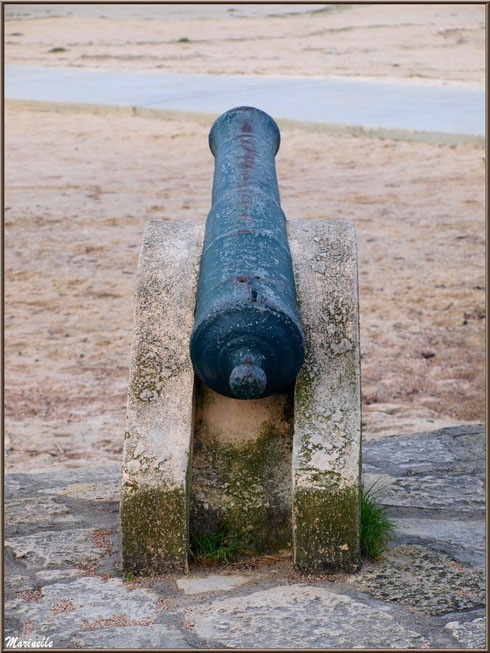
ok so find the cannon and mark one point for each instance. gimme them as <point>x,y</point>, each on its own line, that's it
<point>247,341</point>
<point>244,403</point>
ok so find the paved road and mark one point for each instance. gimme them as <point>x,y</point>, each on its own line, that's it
<point>451,110</point>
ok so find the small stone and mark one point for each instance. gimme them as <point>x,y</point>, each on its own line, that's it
<point>90,604</point>
<point>156,636</point>
<point>108,491</point>
<point>423,580</point>
<point>213,583</point>
<point>471,634</point>
<point>420,469</point>
<point>300,617</point>
<point>18,582</point>
<point>462,539</point>
<point>50,549</point>
<point>44,510</point>
<point>49,575</point>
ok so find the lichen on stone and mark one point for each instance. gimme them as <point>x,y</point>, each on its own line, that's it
<point>154,529</point>
<point>243,485</point>
<point>326,528</point>
<point>147,378</point>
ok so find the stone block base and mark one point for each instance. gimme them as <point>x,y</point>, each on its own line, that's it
<point>327,400</point>
<point>241,468</point>
<point>283,470</point>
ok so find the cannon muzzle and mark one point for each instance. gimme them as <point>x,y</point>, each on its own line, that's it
<point>247,340</point>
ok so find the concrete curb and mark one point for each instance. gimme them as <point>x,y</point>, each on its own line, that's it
<point>439,138</point>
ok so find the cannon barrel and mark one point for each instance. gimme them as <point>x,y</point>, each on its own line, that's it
<point>247,341</point>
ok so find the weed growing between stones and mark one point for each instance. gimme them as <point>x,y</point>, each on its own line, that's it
<point>222,546</point>
<point>227,545</point>
<point>376,527</point>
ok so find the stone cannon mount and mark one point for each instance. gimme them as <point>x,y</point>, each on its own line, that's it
<point>284,465</point>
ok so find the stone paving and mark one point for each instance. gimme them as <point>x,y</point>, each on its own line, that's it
<point>64,581</point>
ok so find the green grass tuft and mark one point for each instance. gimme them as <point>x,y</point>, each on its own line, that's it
<point>222,546</point>
<point>376,527</point>
<point>226,545</point>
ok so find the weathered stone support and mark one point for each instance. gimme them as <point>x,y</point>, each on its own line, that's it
<point>284,468</point>
<point>327,401</point>
<point>157,447</point>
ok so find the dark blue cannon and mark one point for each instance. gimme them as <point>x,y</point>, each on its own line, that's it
<point>247,340</point>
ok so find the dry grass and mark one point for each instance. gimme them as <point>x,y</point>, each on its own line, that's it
<point>30,596</point>
<point>63,606</point>
<point>115,621</point>
<point>101,540</point>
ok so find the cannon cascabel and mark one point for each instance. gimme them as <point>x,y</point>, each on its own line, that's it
<point>247,341</point>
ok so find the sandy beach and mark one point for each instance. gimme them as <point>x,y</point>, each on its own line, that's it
<point>440,44</point>
<point>80,188</point>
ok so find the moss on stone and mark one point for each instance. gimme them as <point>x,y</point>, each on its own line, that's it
<point>130,485</point>
<point>240,484</point>
<point>326,529</point>
<point>302,391</point>
<point>154,529</point>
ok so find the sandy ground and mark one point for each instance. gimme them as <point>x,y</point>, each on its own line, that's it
<point>80,188</point>
<point>441,44</point>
